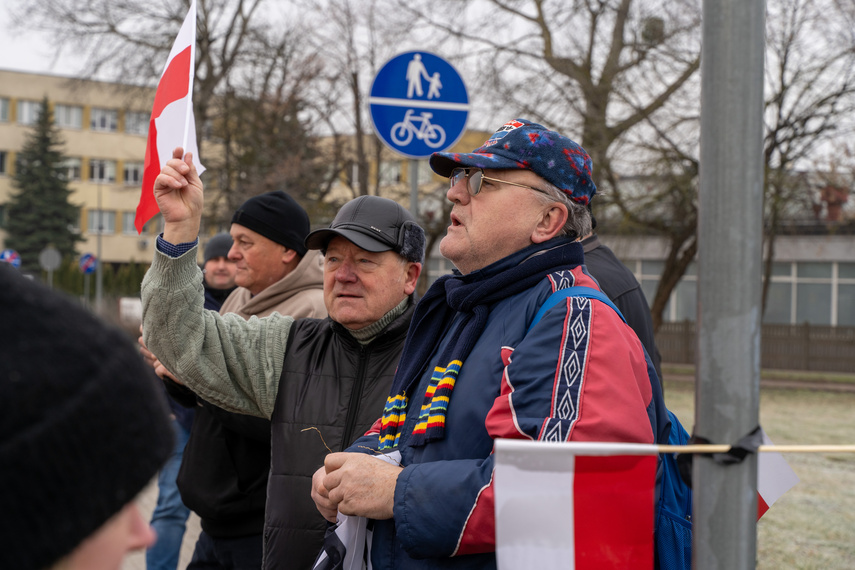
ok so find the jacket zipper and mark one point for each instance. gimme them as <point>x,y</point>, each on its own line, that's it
<point>355,399</point>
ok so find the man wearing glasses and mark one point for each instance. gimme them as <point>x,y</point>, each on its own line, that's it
<point>472,371</point>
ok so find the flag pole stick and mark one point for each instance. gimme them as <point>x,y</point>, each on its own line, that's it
<point>188,114</point>
<point>714,448</point>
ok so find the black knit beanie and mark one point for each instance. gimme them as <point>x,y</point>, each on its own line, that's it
<point>278,217</point>
<point>83,424</point>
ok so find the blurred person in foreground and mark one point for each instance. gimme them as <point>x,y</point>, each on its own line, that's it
<point>169,519</point>
<point>84,427</point>
<point>472,371</point>
<point>322,382</point>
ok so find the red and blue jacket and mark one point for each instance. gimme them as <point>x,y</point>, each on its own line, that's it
<point>580,374</point>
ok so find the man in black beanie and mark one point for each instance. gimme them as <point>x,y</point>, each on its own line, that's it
<point>275,271</point>
<point>83,429</point>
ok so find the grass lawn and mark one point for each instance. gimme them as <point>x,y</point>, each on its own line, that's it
<point>813,525</point>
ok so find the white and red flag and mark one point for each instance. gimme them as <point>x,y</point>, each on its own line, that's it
<point>172,123</point>
<point>583,505</point>
<point>574,505</point>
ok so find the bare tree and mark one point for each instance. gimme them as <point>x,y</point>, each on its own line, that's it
<point>252,74</point>
<point>128,40</point>
<point>267,135</point>
<point>810,99</point>
<point>618,73</point>
<point>594,68</point>
<point>353,38</point>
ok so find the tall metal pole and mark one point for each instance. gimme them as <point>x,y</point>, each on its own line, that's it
<point>414,187</point>
<point>729,264</point>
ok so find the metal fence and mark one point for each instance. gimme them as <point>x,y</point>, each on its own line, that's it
<point>786,347</point>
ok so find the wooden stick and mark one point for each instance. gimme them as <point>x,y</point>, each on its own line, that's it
<point>712,448</point>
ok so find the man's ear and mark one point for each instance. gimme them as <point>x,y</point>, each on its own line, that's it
<point>412,276</point>
<point>551,223</point>
<point>288,255</point>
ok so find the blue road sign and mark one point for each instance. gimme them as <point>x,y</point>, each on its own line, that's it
<point>11,257</point>
<point>419,104</point>
<point>88,263</point>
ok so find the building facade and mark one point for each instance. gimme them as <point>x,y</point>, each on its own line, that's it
<point>104,128</point>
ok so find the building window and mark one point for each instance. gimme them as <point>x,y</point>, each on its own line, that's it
<point>813,303</point>
<point>71,168</point>
<point>102,170</point>
<point>28,112</point>
<point>68,116</point>
<point>128,219</point>
<point>102,221</point>
<point>103,119</point>
<point>133,173</point>
<point>136,123</point>
<point>846,305</point>
<point>2,162</point>
<point>779,304</point>
<point>4,110</point>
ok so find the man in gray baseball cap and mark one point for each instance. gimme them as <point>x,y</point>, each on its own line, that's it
<point>374,224</point>
<point>336,372</point>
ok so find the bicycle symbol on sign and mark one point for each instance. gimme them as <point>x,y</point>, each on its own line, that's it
<point>403,131</point>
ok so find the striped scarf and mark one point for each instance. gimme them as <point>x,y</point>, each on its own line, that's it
<point>471,296</point>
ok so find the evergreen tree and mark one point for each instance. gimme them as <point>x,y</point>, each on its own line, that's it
<point>40,213</point>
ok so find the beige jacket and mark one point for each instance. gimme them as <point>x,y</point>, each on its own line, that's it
<point>299,294</point>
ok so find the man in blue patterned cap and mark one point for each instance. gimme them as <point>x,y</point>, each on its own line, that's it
<point>475,369</point>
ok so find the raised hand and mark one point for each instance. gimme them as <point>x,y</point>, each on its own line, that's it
<point>179,194</point>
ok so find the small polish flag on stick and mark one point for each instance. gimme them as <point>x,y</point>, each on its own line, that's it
<point>584,506</point>
<point>172,123</point>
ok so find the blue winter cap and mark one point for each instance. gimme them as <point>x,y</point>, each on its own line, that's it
<point>523,145</point>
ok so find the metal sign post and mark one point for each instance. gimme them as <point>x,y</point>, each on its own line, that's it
<point>49,260</point>
<point>729,235</point>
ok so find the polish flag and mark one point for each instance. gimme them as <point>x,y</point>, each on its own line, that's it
<point>172,123</point>
<point>608,488</point>
<point>574,505</point>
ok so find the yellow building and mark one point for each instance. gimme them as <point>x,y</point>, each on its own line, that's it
<point>104,128</point>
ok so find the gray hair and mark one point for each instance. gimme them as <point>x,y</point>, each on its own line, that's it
<point>578,223</point>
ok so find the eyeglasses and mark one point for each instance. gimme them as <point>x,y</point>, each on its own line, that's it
<point>475,177</point>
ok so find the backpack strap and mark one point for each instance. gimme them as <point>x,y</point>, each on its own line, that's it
<point>577,291</point>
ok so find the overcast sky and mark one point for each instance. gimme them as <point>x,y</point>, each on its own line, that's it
<point>27,51</point>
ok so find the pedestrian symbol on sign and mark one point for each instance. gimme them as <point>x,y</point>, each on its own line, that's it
<point>416,72</point>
